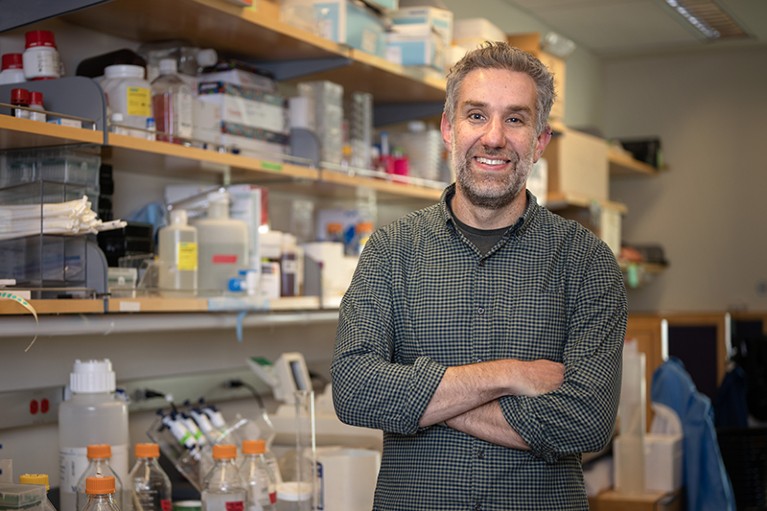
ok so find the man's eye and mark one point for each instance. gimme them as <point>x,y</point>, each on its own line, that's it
<point>514,120</point>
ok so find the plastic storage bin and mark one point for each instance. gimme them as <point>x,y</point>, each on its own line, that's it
<point>52,265</point>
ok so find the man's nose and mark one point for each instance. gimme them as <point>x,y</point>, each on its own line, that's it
<point>494,135</point>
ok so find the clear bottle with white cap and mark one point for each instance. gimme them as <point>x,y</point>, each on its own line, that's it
<point>93,415</point>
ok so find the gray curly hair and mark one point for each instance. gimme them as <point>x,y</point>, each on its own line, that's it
<point>501,55</point>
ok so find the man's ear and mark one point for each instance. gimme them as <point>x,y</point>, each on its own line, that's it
<point>447,131</point>
<point>543,140</point>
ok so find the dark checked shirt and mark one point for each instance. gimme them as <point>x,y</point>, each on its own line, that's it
<point>423,298</point>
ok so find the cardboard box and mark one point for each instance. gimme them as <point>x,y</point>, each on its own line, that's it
<point>416,45</point>
<point>253,121</point>
<point>663,462</point>
<point>440,20</point>
<point>531,42</point>
<point>577,166</point>
<point>346,22</point>
<point>472,32</point>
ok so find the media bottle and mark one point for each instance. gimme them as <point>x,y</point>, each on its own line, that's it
<point>223,246</point>
<point>99,456</point>
<point>223,489</point>
<point>178,253</point>
<point>100,491</point>
<point>150,486</point>
<point>42,480</point>
<point>258,477</point>
<point>172,104</point>
<point>93,415</point>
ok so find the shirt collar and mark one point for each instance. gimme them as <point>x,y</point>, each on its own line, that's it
<point>531,210</point>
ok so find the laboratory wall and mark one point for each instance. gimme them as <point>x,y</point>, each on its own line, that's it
<point>707,210</point>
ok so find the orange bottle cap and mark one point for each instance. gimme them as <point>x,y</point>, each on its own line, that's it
<point>224,452</point>
<point>99,451</point>
<point>99,485</point>
<point>147,450</point>
<point>253,446</point>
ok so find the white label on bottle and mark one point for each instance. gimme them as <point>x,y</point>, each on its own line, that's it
<point>72,463</point>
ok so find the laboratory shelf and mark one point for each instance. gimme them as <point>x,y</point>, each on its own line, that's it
<point>622,163</point>
<point>104,324</point>
<point>24,133</point>
<point>257,34</point>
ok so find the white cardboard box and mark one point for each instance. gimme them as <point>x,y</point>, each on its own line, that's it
<point>440,20</point>
<point>416,45</point>
<point>663,462</point>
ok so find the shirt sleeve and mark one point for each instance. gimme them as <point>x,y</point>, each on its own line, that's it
<point>370,388</point>
<point>580,415</point>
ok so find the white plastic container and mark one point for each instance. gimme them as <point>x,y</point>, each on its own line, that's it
<point>93,415</point>
<point>223,246</point>
<point>294,496</point>
<point>128,93</point>
<point>12,69</point>
<point>178,253</point>
<point>41,58</point>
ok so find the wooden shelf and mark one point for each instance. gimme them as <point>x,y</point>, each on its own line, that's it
<point>561,200</point>
<point>161,305</point>
<point>623,164</point>
<point>257,33</point>
<point>23,133</point>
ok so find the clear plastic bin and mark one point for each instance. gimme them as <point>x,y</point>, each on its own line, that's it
<point>28,497</point>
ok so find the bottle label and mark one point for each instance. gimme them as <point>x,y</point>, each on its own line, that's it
<point>224,259</point>
<point>166,505</point>
<point>186,254</point>
<point>72,463</point>
<point>234,505</point>
<point>138,101</point>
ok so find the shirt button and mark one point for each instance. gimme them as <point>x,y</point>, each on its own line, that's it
<point>480,310</point>
<point>480,454</point>
<point>477,507</point>
<point>482,262</point>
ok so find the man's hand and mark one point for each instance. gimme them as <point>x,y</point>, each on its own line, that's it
<point>467,387</point>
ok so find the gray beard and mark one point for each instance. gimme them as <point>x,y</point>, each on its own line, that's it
<point>494,199</point>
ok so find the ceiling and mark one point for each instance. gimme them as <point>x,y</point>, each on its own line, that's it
<point>621,28</point>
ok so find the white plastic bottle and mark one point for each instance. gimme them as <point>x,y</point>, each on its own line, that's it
<point>93,415</point>
<point>12,69</point>
<point>149,484</point>
<point>41,58</point>
<point>172,104</point>
<point>223,246</point>
<point>257,476</point>
<point>99,464</point>
<point>178,254</point>
<point>223,489</point>
<point>129,94</point>
<point>36,104</point>
<point>42,480</point>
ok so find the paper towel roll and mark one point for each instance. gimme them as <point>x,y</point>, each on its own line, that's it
<point>347,478</point>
